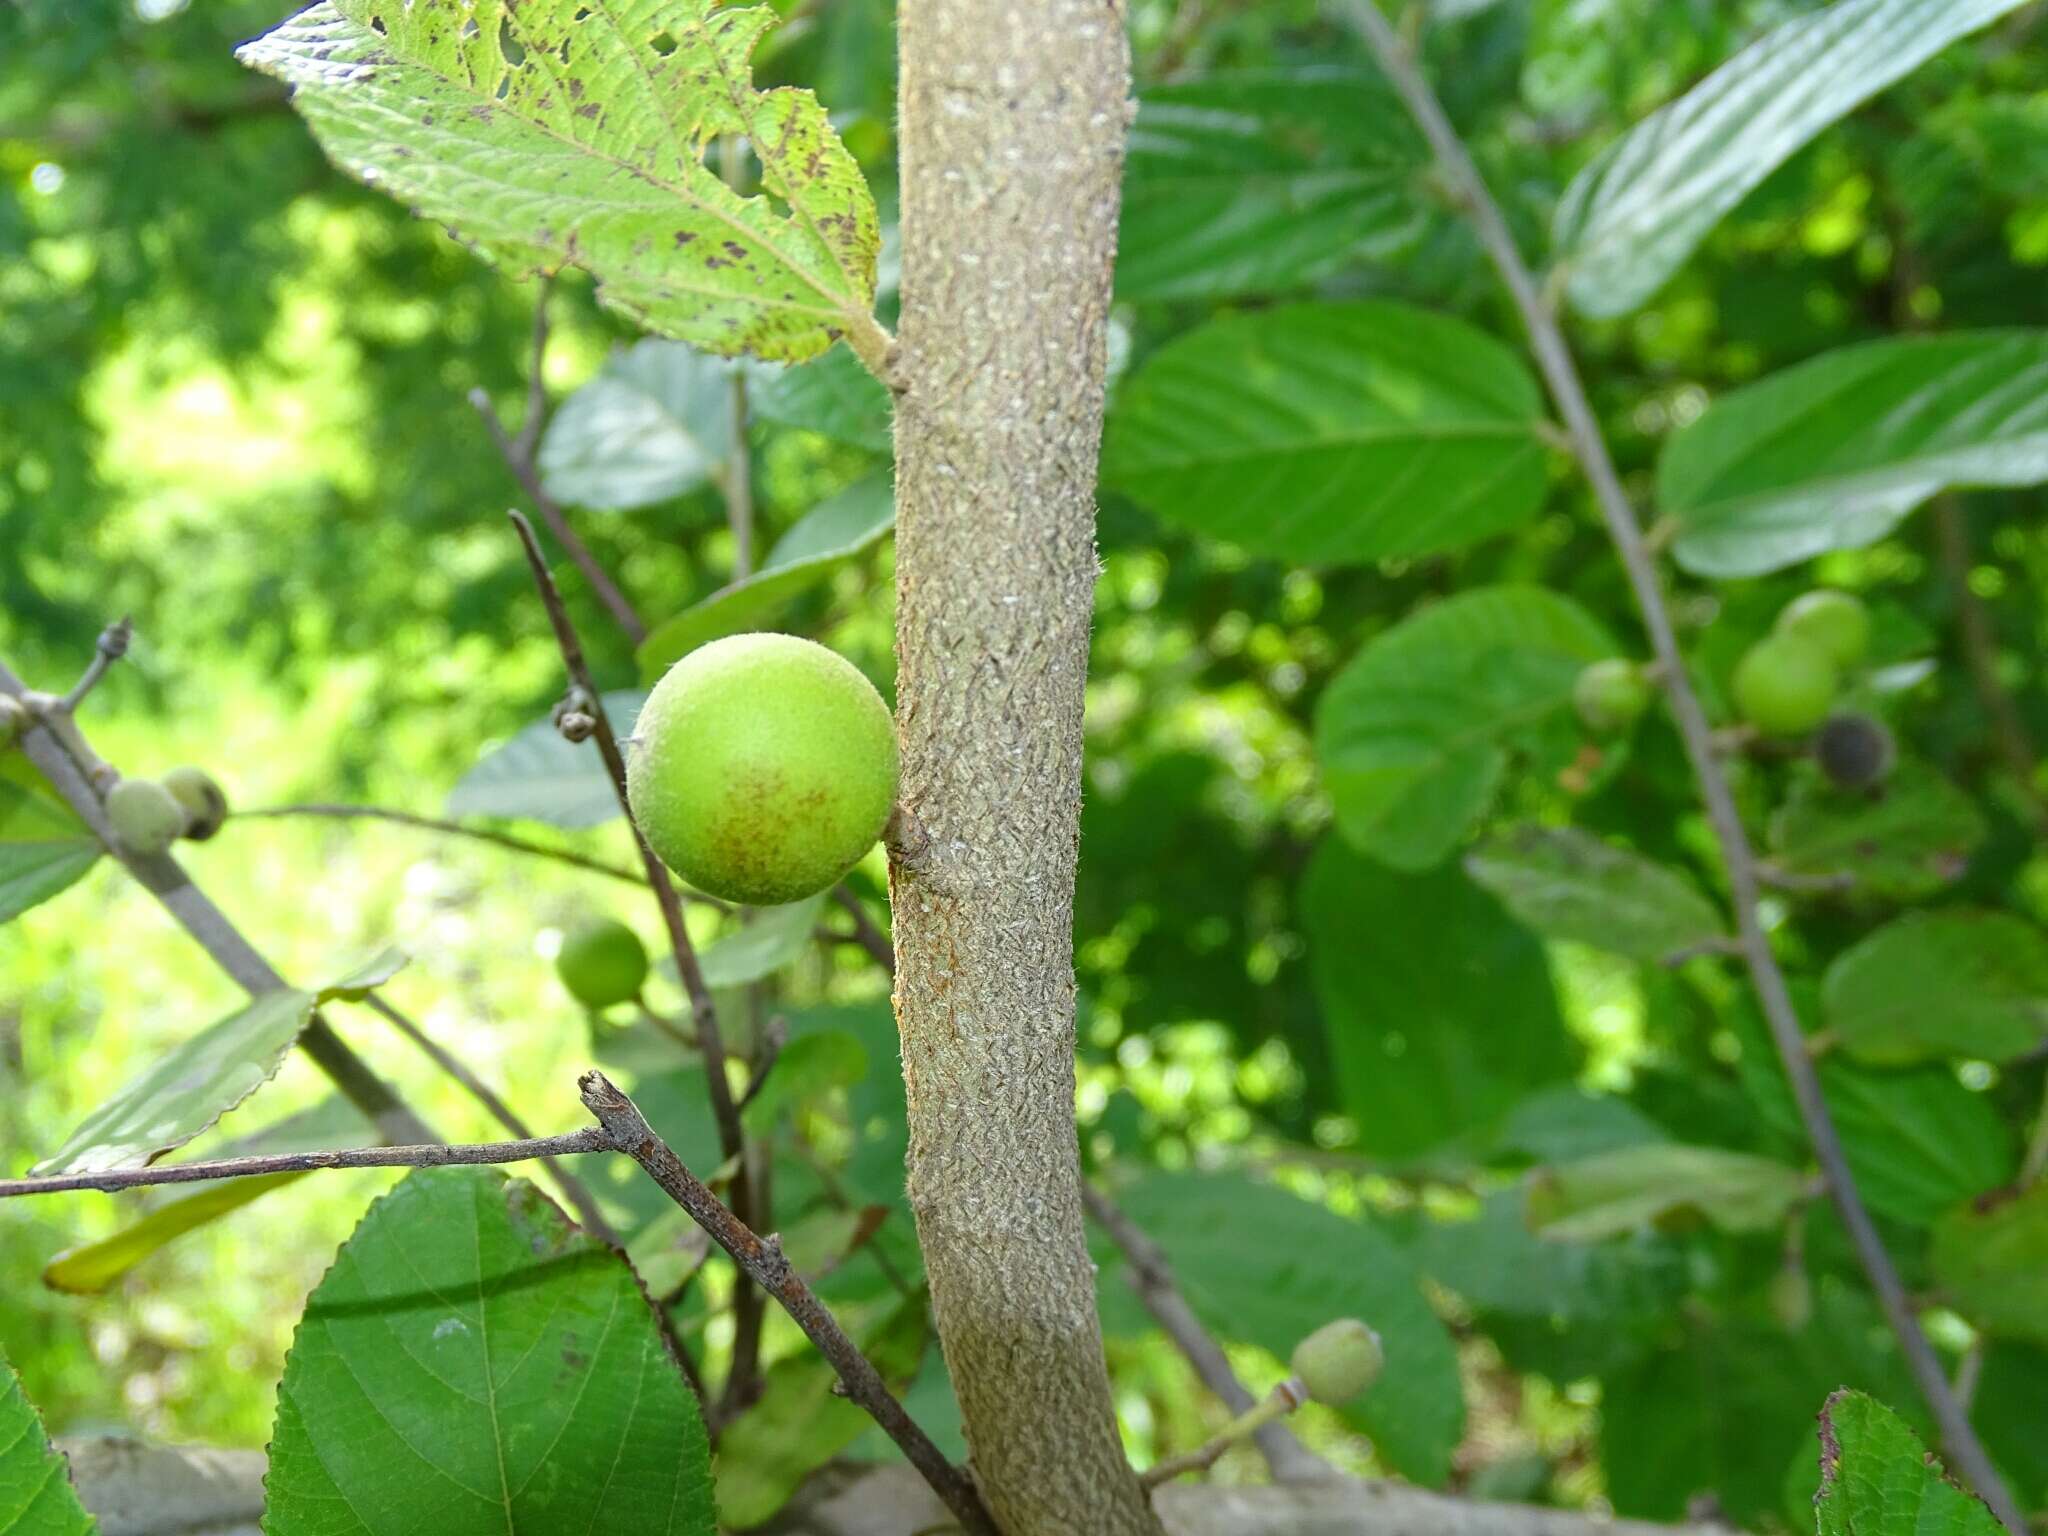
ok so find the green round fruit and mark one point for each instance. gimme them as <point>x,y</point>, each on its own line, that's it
<point>146,817</point>
<point>1835,621</point>
<point>1611,695</point>
<point>762,768</point>
<point>1784,685</point>
<point>602,964</point>
<point>206,807</point>
<point>1854,750</point>
<point>1338,1361</point>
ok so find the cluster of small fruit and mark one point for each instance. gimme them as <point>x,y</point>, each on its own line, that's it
<point>148,815</point>
<point>1785,687</point>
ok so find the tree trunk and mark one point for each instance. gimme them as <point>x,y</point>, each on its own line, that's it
<point>1013,124</point>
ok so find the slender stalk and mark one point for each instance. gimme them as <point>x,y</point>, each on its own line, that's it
<point>865,933</point>
<point>1152,1278</point>
<point>432,1155</point>
<point>110,648</point>
<point>762,1259</point>
<point>447,828</point>
<point>1589,446</point>
<point>1280,1402</point>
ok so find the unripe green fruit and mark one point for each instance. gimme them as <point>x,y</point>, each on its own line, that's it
<point>1338,1361</point>
<point>1854,751</point>
<point>206,807</point>
<point>146,817</point>
<point>13,719</point>
<point>1835,621</point>
<point>1785,685</point>
<point>763,768</point>
<point>602,964</point>
<point>1611,695</point>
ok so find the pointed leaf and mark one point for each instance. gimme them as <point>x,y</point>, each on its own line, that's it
<point>1935,984</point>
<point>1912,838</point>
<point>472,1364</point>
<point>655,422</point>
<point>359,982</point>
<point>540,776</point>
<point>1569,884</point>
<point>839,525</point>
<point>44,847</point>
<point>1990,1258</point>
<point>1876,1479</point>
<point>557,133</point>
<point>773,938</point>
<point>1631,218</point>
<point>1332,433</point>
<point>36,1496</point>
<point>1833,453</point>
<point>188,1088</point>
<point>1610,1193</point>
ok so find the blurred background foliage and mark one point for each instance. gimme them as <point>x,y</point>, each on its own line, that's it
<point>232,403</point>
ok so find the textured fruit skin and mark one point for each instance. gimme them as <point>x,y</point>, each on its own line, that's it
<point>146,817</point>
<point>1611,695</point>
<point>1854,750</point>
<point>206,807</point>
<point>763,768</point>
<point>1338,1361</point>
<point>1835,621</point>
<point>602,964</point>
<point>1785,685</point>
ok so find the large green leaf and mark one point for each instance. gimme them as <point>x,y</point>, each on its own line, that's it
<point>1831,454</point>
<point>187,1088</point>
<point>1413,735</point>
<point>1569,884</point>
<point>472,1365</point>
<point>1262,183</point>
<point>1950,983</point>
<point>1877,1479</point>
<point>1261,1265</point>
<point>1990,1258</point>
<point>1332,433</point>
<point>539,775</point>
<point>1611,1193</point>
<point>44,847</point>
<point>1912,838</point>
<point>1438,1008</point>
<point>655,422</point>
<point>835,397</point>
<point>1631,218</point>
<point>36,1496</point>
<point>557,133</point>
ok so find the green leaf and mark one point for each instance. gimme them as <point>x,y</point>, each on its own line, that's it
<point>540,776</point>
<point>1624,1191</point>
<point>1332,433</point>
<point>1877,1479</point>
<point>1569,884</point>
<point>362,980</point>
<point>1498,1265</point>
<point>1911,839</point>
<point>1263,1266</point>
<point>755,602</point>
<point>1413,735</point>
<point>774,937</point>
<point>36,1496</point>
<point>1833,453</point>
<point>839,525</point>
<point>835,397</point>
<point>1950,983</point>
<point>810,1066</point>
<point>1917,1141</point>
<point>472,1364</point>
<point>186,1089</point>
<point>1263,183</point>
<point>1632,217</point>
<point>655,422</point>
<point>1438,1009</point>
<point>1990,1258</point>
<point>556,133</point>
<point>44,847</point>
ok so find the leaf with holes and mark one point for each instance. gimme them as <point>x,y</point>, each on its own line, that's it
<point>44,847</point>
<point>540,776</point>
<point>36,1496</point>
<point>472,1363</point>
<point>655,422</point>
<point>1569,884</point>
<point>572,133</point>
<point>1956,982</point>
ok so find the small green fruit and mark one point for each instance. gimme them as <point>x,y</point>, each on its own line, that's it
<point>13,719</point>
<point>1611,695</point>
<point>763,768</point>
<point>206,807</point>
<point>146,817</point>
<point>1784,685</point>
<point>1854,751</point>
<point>602,964</point>
<point>1338,1361</point>
<point>1835,621</point>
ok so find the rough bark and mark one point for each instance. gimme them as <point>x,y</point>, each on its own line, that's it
<point>1013,124</point>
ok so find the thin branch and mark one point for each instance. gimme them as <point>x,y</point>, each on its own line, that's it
<point>1554,358</point>
<point>110,648</point>
<point>164,878</point>
<point>1152,1278</point>
<point>1281,1401</point>
<point>865,933</point>
<point>432,1155</point>
<point>448,828</point>
<point>762,1259</point>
